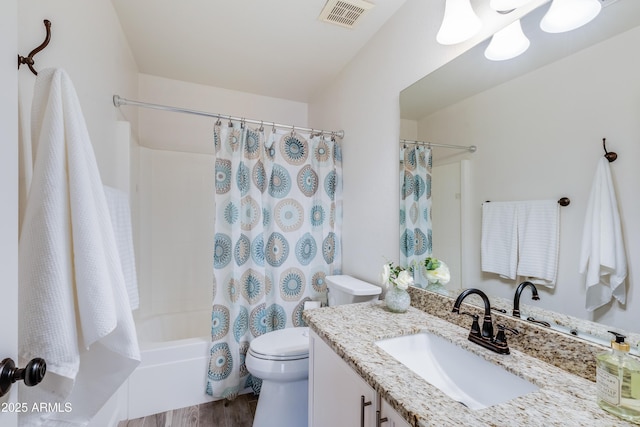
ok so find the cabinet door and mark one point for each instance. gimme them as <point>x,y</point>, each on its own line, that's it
<point>336,391</point>
<point>394,419</point>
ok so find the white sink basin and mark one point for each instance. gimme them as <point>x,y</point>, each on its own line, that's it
<point>460,374</point>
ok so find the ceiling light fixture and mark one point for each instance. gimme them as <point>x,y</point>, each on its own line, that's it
<point>460,22</point>
<point>507,43</point>
<point>567,15</point>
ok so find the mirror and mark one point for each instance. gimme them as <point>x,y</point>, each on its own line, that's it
<point>538,121</point>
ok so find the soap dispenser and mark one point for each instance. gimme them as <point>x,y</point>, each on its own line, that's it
<point>618,380</point>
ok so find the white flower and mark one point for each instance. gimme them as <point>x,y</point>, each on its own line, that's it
<point>440,274</point>
<point>404,280</point>
<point>385,275</point>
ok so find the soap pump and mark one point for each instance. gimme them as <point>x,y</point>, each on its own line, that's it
<point>618,380</point>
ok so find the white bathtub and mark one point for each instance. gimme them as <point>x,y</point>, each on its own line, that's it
<point>175,358</point>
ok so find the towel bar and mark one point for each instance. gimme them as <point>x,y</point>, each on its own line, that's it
<point>564,201</point>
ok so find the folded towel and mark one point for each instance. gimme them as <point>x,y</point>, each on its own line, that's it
<point>602,256</point>
<point>538,241</point>
<point>120,213</point>
<point>73,305</point>
<point>499,243</point>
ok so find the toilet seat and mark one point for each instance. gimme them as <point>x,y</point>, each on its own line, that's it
<point>282,345</point>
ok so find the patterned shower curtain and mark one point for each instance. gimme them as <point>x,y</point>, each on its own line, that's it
<point>415,208</point>
<point>277,235</point>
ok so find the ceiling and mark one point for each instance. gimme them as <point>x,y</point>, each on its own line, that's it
<point>276,48</point>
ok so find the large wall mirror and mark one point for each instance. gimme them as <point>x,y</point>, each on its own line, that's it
<point>538,121</point>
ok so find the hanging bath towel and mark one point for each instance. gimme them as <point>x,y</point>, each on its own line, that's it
<point>538,241</point>
<point>521,239</point>
<point>73,306</point>
<point>499,244</point>
<point>602,256</point>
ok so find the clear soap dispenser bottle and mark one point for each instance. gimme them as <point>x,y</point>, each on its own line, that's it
<point>618,381</point>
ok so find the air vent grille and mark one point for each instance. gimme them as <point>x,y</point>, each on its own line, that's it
<point>346,13</point>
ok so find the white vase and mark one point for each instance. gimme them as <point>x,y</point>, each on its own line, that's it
<point>397,300</point>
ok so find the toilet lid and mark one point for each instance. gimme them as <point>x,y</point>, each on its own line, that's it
<point>352,286</point>
<point>284,343</point>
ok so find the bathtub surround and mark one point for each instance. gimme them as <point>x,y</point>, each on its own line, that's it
<point>73,302</point>
<point>278,219</point>
<point>120,215</point>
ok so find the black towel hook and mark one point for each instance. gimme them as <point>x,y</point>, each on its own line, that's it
<point>610,155</point>
<point>29,59</point>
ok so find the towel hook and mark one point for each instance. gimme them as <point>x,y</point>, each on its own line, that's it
<point>610,155</point>
<point>29,59</point>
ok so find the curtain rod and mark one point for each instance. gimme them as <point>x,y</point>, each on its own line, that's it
<point>118,101</point>
<point>470,148</point>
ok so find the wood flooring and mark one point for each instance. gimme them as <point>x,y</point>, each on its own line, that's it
<point>222,413</point>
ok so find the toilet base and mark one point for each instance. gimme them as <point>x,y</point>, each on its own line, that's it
<point>282,404</point>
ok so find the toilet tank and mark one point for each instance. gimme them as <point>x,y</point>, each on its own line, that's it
<point>343,289</point>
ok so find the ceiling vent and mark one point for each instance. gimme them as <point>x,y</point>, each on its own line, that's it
<point>346,13</point>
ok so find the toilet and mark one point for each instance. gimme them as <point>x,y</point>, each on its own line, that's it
<point>281,359</point>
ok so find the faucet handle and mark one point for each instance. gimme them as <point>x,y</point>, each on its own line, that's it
<point>475,325</point>
<point>501,337</point>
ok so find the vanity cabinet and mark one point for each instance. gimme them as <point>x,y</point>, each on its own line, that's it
<point>339,397</point>
<point>394,419</point>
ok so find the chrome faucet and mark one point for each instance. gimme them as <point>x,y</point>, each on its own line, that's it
<point>516,298</point>
<point>485,337</point>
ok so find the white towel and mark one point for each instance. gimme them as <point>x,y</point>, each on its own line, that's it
<point>538,241</point>
<point>73,305</point>
<point>499,243</point>
<point>521,239</point>
<point>120,213</point>
<point>602,255</point>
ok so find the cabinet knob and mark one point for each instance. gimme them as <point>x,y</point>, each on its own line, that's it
<point>32,374</point>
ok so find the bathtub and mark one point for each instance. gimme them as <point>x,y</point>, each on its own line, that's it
<point>175,358</point>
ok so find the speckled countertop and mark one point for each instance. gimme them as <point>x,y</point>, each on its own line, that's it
<point>563,399</point>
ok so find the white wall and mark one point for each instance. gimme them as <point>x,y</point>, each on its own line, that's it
<point>540,137</point>
<point>9,195</point>
<point>363,100</point>
<point>87,41</point>
<point>182,132</point>
<point>176,188</point>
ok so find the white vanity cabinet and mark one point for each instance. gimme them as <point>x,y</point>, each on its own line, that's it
<point>394,419</point>
<point>339,397</point>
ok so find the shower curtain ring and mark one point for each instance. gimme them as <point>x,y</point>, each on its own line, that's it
<point>230,123</point>
<point>273,127</point>
<point>261,128</point>
<point>242,123</point>
<point>293,131</point>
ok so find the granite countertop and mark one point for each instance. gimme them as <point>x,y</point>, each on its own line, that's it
<point>563,399</point>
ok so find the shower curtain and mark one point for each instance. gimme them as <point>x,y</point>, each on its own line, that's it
<point>415,208</point>
<point>278,217</point>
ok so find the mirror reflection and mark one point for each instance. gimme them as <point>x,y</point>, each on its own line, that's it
<point>538,121</point>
